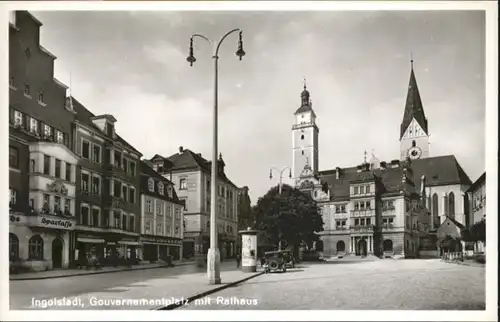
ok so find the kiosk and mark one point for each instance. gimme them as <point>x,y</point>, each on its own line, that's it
<point>249,250</point>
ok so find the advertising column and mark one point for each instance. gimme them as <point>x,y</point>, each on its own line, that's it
<point>248,250</point>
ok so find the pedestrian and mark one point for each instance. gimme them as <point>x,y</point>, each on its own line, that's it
<point>238,260</point>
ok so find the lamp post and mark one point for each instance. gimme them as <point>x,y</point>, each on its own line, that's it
<point>280,188</point>
<point>213,257</point>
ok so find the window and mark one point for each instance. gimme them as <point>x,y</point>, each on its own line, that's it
<point>131,220</point>
<point>46,165</point>
<point>27,90</point>
<point>124,192</point>
<point>40,97</point>
<point>68,172</point>
<point>85,181</point>
<point>361,190</point>
<point>302,152</point>
<point>85,149</point>
<point>356,206</point>
<point>67,205</point>
<point>13,157</point>
<point>151,185</point>
<point>12,83</point>
<point>95,217</point>
<point>356,190</point>
<point>159,207</point>
<point>125,165</point>
<point>58,168</point>
<point>160,188</point>
<point>84,215</point>
<point>59,137</point>
<point>18,118</point>
<point>132,168</point>
<point>32,204</point>
<point>368,221</point>
<point>118,159</point>
<point>362,222</point>
<point>57,204</point>
<point>47,131</point>
<point>182,184</point>
<point>13,247</point>
<point>302,137</point>
<point>451,205</point>
<point>169,191</point>
<point>356,222</point>
<point>177,231</point>
<point>32,166</point>
<point>413,144</point>
<point>116,219</point>
<point>159,229</point>
<point>13,196</point>
<point>33,125</point>
<point>368,205</point>
<point>35,248</point>
<point>96,185</point>
<point>124,222</point>
<point>46,200</point>
<point>367,189</point>
<point>117,189</point>
<point>362,205</point>
<point>149,205</point>
<point>131,197</point>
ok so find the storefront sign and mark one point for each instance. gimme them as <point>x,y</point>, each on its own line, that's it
<point>53,222</point>
<point>160,240</point>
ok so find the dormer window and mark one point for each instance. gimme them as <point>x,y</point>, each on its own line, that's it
<point>40,99</point>
<point>169,191</point>
<point>160,188</point>
<point>151,185</point>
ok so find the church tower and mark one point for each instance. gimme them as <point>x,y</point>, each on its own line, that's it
<point>414,136</point>
<point>305,137</point>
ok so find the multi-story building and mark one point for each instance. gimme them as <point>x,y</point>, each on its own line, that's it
<point>190,173</point>
<point>42,165</point>
<point>401,217</point>
<point>108,210</point>
<point>477,205</point>
<point>162,218</point>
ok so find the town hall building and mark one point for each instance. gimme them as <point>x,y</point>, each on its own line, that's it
<point>389,209</point>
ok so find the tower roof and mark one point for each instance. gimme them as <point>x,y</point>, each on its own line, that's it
<point>413,108</point>
<point>306,104</point>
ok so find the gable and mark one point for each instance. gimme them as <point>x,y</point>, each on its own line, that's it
<point>449,227</point>
<point>413,130</point>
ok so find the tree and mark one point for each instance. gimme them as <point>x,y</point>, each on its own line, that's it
<point>245,217</point>
<point>292,217</point>
<point>476,232</point>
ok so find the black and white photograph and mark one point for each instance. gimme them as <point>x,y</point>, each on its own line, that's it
<point>286,160</point>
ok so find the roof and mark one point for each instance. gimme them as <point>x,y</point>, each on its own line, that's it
<point>189,160</point>
<point>306,105</point>
<point>459,225</point>
<point>439,171</point>
<point>390,180</point>
<point>146,173</point>
<point>84,116</point>
<point>413,108</point>
<point>479,182</point>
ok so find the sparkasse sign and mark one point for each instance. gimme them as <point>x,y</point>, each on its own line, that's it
<point>56,223</point>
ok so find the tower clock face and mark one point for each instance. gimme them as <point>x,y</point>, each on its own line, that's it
<point>414,152</point>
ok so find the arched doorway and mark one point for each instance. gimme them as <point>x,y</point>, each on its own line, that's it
<point>387,245</point>
<point>362,247</point>
<point>340,246</point>
<point>57,253</point>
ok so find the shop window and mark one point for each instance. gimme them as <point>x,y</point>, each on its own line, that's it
<point>35,248</point>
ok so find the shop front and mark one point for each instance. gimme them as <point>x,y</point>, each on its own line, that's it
<point>104,249</point>
<point>159,248</point>
<point>40,242</point>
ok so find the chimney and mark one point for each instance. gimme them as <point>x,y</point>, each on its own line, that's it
<point>395,163</point>
<point>181,149</point>
<point>383,165</point>
<point>337,173</point>
<point>360,168</point>
<point>199,154</point>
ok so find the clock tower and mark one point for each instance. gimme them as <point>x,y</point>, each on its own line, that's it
<point>414,135</point>
<point>305,135</point>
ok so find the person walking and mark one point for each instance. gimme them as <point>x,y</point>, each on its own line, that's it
<point>238,260</point>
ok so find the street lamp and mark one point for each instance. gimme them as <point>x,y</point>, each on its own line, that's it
<point>213,256</point>
<point>280,189</point>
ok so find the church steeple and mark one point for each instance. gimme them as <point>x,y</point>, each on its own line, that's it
<point>305,97</point>
<point>413,108</point>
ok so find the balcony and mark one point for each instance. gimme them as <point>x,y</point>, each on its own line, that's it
<point>365,228</point>
<point>363,213</point>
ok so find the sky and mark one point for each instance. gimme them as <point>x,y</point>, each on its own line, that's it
<point>357,65</point>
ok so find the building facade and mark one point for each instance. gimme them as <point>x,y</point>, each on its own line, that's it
<point>392,208</point>
<point>108,210</point>
<point>190,173</point>
<point>477,206</point>
<point>41,162</point>
<point>162,217</point>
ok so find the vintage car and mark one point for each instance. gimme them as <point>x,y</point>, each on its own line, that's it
<point>289,259</point>
<point>275,261</point>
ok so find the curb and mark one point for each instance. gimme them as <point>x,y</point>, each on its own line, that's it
<point>93,273</point>
<point>205,293</point>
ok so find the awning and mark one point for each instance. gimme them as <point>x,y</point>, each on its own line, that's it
<point>90,240</point>
<point>125,242</point>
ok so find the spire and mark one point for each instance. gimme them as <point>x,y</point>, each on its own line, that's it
<point>413,107</point>
<point>305,95</point>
